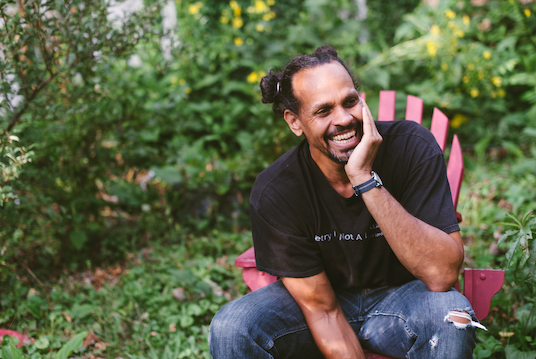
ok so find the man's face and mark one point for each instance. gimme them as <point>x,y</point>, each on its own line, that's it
<point>331,114</point>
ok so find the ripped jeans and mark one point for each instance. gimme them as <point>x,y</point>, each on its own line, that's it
<point>401,322</point>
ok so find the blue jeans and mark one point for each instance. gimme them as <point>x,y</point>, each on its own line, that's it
<point>401,322</point>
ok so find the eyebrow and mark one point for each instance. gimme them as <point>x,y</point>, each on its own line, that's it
<point>318,106</point>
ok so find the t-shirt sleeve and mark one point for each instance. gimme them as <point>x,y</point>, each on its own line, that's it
<point>282,250</point>
<point>426,194</point>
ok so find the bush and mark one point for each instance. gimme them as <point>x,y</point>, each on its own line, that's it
<point>474,62</point>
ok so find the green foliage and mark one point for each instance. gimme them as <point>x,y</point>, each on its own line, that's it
<point>134,143</point>
<point>521,256</point>
<point>476,63</point>
<point>16,157</point>
<point>9,351</point>
<point>158,304</point>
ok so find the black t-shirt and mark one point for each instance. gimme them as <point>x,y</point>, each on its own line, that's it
<point>302,226</point>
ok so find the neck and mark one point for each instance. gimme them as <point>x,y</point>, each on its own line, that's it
<point>334,173</point>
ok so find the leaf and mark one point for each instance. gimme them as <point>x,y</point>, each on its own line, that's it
<point>10,352</point>
<point>530,131</point>
<point>78,239</point>
<point>71,345</point>
<point>512,353</point>
<point>42,343</point>
<point>186,321</point>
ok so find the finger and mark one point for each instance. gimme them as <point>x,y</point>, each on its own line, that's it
<point>368,121</point>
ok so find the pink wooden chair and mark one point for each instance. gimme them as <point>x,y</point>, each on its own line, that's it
<point>480,285</point>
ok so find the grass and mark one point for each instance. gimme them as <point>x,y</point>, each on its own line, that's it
<point>158,304</point>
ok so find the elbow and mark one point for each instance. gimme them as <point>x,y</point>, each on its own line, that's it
<point>442,283</point>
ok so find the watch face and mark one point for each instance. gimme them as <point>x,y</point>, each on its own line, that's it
<point>377,178</point>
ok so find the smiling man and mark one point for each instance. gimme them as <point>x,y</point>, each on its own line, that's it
<point>358,223</point>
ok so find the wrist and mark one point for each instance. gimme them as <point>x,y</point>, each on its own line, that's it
<point>359,177</point>
<point>373,181</point>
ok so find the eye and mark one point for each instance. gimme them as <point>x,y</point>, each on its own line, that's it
<point>323,111</point>
<point>351,102</point>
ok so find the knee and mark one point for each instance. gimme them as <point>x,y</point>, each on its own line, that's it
<point>226,324</point>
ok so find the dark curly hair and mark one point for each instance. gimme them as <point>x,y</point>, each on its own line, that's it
<point>276,87</point>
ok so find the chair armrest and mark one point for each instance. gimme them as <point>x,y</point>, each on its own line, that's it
<point>246,259</point>
<point>480,285</point>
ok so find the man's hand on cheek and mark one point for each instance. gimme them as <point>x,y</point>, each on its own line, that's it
<point>360,163</point>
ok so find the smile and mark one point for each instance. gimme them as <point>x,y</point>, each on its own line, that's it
<point>344,138</point>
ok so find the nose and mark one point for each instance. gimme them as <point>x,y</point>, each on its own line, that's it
<point>343,117</point>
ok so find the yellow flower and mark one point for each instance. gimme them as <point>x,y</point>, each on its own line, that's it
<point>260,7</point>
<point>527,12</point>
<point>501,92</point>
<point>187,90</point>
<point>432,49</point>
<point>493,94</point>
<point>450,14</point>
<point>251,9</point>
<point>224,20</point>
<point>182,82</point>
<point>466,20</point>
<point>458,120</point>
<point>460,33</point>
<point>444,66</point>
<point>271,2</point>
<point>253,77</point>
<point>486,55</point>
<point>474,92</point>
<point>259,27</point>
<point>225,12</point>
<point>174,80</point>
<point>234,4</point>
<point>465,79</point>
<point>262,74</point>
<point>506,334</point>
<point>238,41</point>
<point>497,81</point>
<point>268,16</point>
<point>481,75</point>
<point>193,9</point>
<point>434,30</point>
<point>237,23</point>
<point>471,66</point>
<point>237,11</point>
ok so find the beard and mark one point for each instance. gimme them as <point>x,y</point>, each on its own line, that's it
<point>340,157</point>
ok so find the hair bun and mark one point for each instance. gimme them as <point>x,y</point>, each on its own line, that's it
<point>269,87</point>
<point>326,50</point>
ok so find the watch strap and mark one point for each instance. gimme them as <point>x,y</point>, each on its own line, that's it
<point>366,186</point>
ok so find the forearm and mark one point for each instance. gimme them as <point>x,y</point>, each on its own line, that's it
<point>333,334</point>
<point>324,316</point>
<point>430,254</point>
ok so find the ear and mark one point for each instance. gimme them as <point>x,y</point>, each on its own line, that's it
<point>293,122</point>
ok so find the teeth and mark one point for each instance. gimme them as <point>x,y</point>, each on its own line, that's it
<point>345,137</point>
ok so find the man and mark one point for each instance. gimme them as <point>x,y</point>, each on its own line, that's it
<point>362,263</point>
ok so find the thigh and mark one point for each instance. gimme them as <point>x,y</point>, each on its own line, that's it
<point>411,321</point>
<point>266,323</point>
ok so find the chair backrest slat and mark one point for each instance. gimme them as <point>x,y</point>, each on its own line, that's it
<point>386,111</point>
<point>414,109</point>
<point>455,169</point>
<point>440,127</point>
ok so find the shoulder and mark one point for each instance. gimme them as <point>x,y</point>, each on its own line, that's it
<point>280,179</point>
<point>408,136</point>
